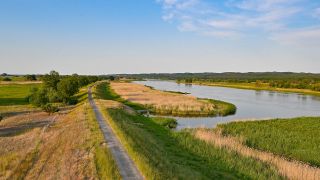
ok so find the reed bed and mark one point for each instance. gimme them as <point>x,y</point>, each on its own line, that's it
<point>168,103</point>
<point>291,169</point>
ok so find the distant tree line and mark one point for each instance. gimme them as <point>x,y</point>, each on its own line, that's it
<point>273,79</point>
<point>59,89</point>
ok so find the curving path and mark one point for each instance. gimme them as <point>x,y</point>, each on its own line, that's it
<point>126,166</point>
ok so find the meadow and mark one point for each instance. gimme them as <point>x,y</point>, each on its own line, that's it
<point>296,139</point>
<point>171,103</point>
<point>16,94</point>
<point>164,154</point>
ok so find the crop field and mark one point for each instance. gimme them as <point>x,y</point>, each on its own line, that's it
<point>297,139</point>
<point>39,146</point>
<point>15,94</point>
<point>168,103</point>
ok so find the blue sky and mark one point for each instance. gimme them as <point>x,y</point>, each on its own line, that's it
<point>125,36</point>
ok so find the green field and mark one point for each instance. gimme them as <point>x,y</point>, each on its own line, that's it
<point>297,138</point>
<point>15,94</point>
<point>164,154</point>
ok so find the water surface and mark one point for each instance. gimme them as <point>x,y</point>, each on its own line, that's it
<point>251,104</point>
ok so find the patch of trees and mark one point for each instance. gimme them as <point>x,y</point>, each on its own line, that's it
<point>30,77</point>
<point>59,89</point>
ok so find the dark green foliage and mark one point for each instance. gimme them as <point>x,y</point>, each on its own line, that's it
<point>6,79</point>
<point>31,77</point>
<point>297,138</point>
<point>67,87</point>
<point>38,97</point>
<point>49,108</point>
<point>51,80</point>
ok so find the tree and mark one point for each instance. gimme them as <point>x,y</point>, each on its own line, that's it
<point>31,77</point>
<point>67,87</point>
<point>6,79</point>
<point>51,80</point>
<point>38,97</point>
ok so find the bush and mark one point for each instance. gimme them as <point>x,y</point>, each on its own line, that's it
<point>1,118</point>
<point>67,87</point>
<point>31,77</point>
<point>38,97</point>
<point>50,108</point>
<point>6,79</point>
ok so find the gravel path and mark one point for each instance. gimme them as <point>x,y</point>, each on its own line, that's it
<point>126,166</point>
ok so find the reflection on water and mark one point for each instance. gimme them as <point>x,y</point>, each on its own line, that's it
<point>251,104</point>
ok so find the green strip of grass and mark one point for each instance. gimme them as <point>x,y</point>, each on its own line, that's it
<point>105,164</point>
<point>104,91</point>
<point>297,138</point>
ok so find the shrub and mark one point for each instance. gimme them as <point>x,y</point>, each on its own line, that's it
<point>6,79</point>
<point>31,77</point>
<point>50,108</point>
<point>38,97</point>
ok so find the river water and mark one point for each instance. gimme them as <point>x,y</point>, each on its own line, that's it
<point>251,104</point>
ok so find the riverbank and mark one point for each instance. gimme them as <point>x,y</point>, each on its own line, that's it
<point>253,86</point>
<point>164,154</point>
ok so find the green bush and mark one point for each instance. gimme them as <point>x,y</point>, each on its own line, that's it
<point>49,108</point>
<point>6,79</point>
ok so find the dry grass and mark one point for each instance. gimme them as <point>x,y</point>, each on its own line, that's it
<point>38,146</point>
<point>290,169</point>
<point>162,102</point>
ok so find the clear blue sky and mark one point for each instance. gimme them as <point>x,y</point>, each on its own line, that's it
<point>126,36</point>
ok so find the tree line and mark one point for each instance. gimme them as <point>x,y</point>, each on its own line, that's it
<point>272,79</point>
<point>59,89</point>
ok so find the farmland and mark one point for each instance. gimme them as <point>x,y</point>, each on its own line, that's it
<point>15,94</point>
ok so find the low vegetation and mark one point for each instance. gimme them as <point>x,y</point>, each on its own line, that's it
<point>164,154</point>
<point>288,168</point>
<point>166,122</point>
<point>167,103</point>
<point>296,139</point>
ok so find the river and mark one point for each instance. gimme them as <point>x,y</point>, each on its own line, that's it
<point>251,104</point>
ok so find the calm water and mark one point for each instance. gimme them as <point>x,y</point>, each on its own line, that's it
<point>251,104</point>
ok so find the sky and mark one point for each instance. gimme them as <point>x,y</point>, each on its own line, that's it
<point>159,36</point>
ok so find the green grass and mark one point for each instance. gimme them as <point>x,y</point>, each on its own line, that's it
<point>15,94</point>
<point>104,91</point>
<point>105,165</point>
<point>165,122</point>
<point>297,138</point>
<point>163,154</point>
<point>223,108</point>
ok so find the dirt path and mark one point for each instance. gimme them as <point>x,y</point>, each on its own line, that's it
<point>127,168</point>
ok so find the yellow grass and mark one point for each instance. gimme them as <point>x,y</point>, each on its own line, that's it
<point>290,169</point>
<point>162,102</point>
<point>62,146</point>
<point>20,82</point>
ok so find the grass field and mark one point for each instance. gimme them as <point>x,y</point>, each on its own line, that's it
<point>15,94</point>
<point>297,138</point>
<point>164,154</point>
<point>168,103</point>
<point>71,147</point>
